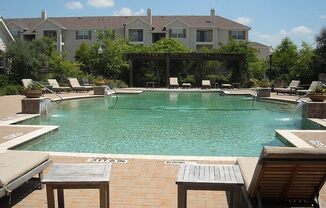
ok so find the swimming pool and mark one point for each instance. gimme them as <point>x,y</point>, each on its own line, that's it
<point>166,123</point>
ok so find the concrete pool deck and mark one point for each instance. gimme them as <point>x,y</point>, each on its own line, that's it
<point>144,181</point>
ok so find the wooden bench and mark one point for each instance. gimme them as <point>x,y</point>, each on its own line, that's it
<point>209,177</point>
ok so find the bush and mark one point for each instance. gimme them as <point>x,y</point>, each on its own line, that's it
<point>4,80</point>
<point>11,90</point>
<point>117,84</point>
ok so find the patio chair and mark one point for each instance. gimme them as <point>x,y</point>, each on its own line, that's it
<point>174,82</point>
<point>74,84</point>
<point>206,84</point>
<point>17,167</point>
<point>27,82</point>
<point>291,88</point>
<point>284,175</point>
<point>56,87</point>
<point>312,87</point>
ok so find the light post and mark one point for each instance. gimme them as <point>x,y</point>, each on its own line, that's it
<point>271,50</point>
<point>100,52</point>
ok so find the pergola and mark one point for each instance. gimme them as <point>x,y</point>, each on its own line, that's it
<point>238,58</point>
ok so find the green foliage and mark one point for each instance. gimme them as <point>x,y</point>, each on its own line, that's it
<point>320,89</point>
<point>113,83</point>
<point>257,70</point>
<point>284,59</point>
<point>34,86</point>
<point>236,46</point>
<point>11,89</point>
<point>168,45</point>
<point>29,59</point>
<point>4,80</point>
<point>320,58</point>
<point>260,83</point>
<point>63,68</point>
<point>302,68</point>
<point>188,79</point>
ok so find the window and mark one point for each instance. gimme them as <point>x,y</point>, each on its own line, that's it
<point>177,33</point>
<point>51,34</point>
<point>237,35</point>
<point>204,35</point>
<point>84,35</point>
<point>136,35</point>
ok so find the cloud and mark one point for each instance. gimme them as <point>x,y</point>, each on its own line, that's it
<point>244,20</point>
<point>322,17</point>
<point>124,11</point>
<point>101,3</point>
<point>301,30</point>
<point>73,5</point>
<point>298,34</point>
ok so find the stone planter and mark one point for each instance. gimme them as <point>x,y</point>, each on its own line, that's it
<point>317,97</point>
<point>33,93</point>
<point>264,92</point>
<point>100,90</point>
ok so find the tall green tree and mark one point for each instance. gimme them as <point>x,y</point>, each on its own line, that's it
<point>284,59</point>
<point>303,67</point>
<point>320,59</point>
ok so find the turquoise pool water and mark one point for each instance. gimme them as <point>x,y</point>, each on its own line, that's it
<point>166,123</point>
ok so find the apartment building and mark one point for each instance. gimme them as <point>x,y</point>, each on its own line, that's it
<point>194,32</point>
<point>5,39</point>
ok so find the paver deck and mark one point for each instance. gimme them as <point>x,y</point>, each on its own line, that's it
<point>10,132</point>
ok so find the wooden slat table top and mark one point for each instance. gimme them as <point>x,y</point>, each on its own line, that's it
<point>78,172</point>
<point>209,173</point>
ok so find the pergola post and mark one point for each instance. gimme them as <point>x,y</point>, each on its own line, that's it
<point>131,73</point>
<point>167,70</point>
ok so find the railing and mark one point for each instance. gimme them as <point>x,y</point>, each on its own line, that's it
<point>51,91</point>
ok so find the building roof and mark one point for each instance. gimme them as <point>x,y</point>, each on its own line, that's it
<point>103,22</point>
<point>257,45</point>
<point>5,35</point>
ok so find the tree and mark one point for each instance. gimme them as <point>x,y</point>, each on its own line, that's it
<point>168,45</point>
<point>320,59</point>
<point>303,69</point>
<point>284,59</point>
<point>250,57</point>
<point>63,68</point>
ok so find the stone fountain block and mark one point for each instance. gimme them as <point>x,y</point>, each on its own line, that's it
<point>314,109</point>
<point>32,105</point>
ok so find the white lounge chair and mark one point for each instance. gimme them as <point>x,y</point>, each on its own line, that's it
<point>17,167</point>
<point>74,84</point>
<point>56,87</point>
<point>174,82</point>
<point>206,84</point>
<point>27,82</point>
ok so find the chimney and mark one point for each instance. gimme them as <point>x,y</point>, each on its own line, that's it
<point>149,15</point>
<point>43,15</point>
<point>212,15</point>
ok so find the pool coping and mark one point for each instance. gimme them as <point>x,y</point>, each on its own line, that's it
<point>286,135</point>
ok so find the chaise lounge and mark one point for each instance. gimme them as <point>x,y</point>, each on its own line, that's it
<point>206,84</point>
<point>291,88</point>
<point>173,82</point>
<point>312,87</point>
<point>56,87</point>
<point>17,167</point>
<point>74,84</point>
<point>284,175</point>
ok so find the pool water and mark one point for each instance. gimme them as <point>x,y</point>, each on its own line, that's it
<point>166,123</point>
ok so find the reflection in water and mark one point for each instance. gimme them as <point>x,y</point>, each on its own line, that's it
<point>173,97</point>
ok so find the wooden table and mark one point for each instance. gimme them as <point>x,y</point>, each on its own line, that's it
<point>209,177</point>
<point>78,176</point>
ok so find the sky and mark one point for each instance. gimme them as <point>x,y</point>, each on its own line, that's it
<point>270,20</point>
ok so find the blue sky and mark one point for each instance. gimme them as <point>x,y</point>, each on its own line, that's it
<point>270,20</point>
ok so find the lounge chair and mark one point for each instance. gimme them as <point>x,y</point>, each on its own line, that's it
<point>56,87</point>
<point>173,82</point>
<point>289,89</point>
<point>284,175</point>
<point>312,87</point>
<point>17,167</point>
<point>206,84</point>
<point>27,82</point>
<point>74,84</point>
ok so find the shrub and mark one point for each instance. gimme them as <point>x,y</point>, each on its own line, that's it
<point>116,83</point>
<point>11,90</point>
